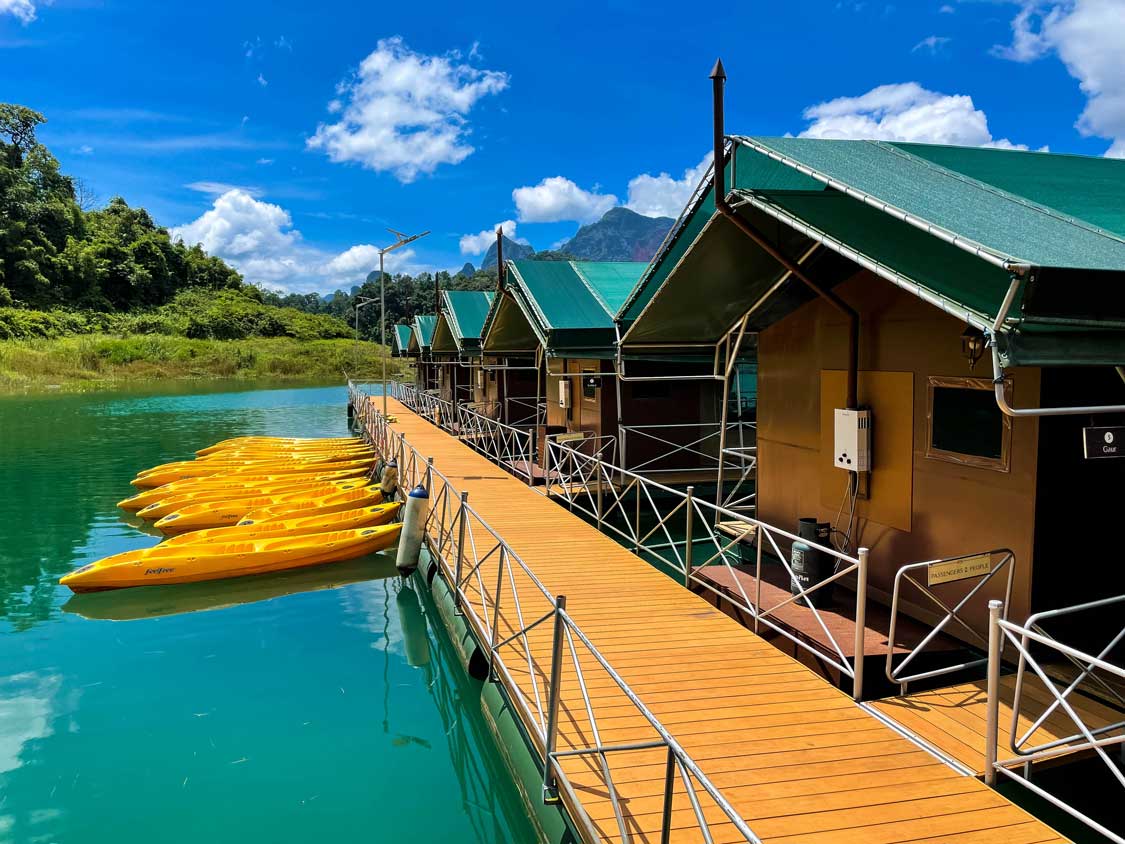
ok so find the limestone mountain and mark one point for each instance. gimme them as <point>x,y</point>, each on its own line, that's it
<point>512,252</point>
<point>620,235</point>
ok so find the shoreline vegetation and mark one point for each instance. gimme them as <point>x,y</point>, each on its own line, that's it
<point>101,361</point>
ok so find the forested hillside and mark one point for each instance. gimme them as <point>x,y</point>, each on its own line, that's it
<point>54,252</point>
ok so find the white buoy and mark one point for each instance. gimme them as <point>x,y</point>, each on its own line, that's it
<point>415,513</point>
<point>388,481</point>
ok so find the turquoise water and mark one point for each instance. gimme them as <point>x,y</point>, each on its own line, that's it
<point>324,705</point>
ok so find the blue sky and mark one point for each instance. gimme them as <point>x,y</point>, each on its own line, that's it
<point>286,136</point>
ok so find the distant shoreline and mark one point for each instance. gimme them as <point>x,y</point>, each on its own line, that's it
<point>103,361</point>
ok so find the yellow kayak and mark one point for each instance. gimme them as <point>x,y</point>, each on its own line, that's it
<point>199,470</point>
<point>290,510</point>
<point>212,483</point>
<point>280,490</point>
<point>280,442</point>
<point>189,563</point>
<point>213,514</point>
<point>377,514</point>
<point>220,463</point>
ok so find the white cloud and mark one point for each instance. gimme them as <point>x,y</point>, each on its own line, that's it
<point>258,239</point>
<point>947,9</point>
<point>477,244</point>
<point>405,112</point>
<point>283,43</point>
<point>85,149</point>
<point>1087,36</point>
<point>904,112</point>
<point>663,195</point>
<point>932,44</point>
<point>556,199</point>
<point>218,188</point>
<point>261,81</point>
<point>265,161</point>
<point>23,10</point>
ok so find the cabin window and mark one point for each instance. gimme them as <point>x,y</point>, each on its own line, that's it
<point>966,426</point>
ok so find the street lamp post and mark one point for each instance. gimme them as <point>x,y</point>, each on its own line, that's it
<point>400,241</point>
<point>360,301</point>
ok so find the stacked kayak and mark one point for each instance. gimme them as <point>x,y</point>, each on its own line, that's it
<point>248,506</point>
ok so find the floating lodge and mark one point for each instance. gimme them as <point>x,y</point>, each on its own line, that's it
<point>868,402</point>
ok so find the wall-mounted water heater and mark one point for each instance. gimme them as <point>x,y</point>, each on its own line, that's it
<point>564,393</point>
<point>853,440</point>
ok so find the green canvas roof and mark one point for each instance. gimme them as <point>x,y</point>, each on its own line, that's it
<point>422,335</point>
<point>461,320</point>
<point>400,340</point>
<point>949,224</point>
<point>569,306</point>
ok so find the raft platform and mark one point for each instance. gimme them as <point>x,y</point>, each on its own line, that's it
<point>795,758</point>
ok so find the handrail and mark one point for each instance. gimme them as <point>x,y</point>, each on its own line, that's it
<point>510,447</point>
<point>743,458</point>
<point>623,503</point>
<point>465,549</point>
<point>1001,632</point>
<point>905,575</point>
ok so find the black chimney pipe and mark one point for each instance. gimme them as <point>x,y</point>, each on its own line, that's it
<point>500,272</point>
<point>718,82</point>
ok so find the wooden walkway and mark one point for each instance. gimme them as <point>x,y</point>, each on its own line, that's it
<point>798,759</point>
<point>952,719</point>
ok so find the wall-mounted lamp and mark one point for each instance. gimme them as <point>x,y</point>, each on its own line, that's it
<point>972,345</point>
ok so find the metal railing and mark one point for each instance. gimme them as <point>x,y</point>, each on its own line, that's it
<point>690,447</point>
<point>946,571</point>
<point>510,447</point>
<point>524,410</point>
<point>527,632</point>
<point>1024,637</point>
<point>668,524</point>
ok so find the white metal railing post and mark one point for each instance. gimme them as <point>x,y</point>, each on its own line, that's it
<point>992,712</point>
<point>463,516</point>
<point>690,502</point>
<point>430,474</point>
<point>598,470</point>
<point>860,624</point>
<point>550,785</point>
<point>669,790</point>
<point>547,479</point>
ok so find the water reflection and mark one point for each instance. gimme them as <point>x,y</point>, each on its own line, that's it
<point>154,601</point>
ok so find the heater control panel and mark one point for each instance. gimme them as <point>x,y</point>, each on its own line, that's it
<point>853,440</point>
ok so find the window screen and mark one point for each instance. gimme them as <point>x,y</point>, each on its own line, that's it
<point>966,426</point>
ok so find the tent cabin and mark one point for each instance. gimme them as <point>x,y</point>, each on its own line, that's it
<point>400,341</point>
<point>420,348</point>
<point>456,342</point>
<point>563,314</point>
<point>987,285</point>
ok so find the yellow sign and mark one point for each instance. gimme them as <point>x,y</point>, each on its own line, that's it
<point>962,569</point>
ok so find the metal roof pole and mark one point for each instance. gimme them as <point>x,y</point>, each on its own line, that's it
<point>1017,412</point>
<point>731,363</point>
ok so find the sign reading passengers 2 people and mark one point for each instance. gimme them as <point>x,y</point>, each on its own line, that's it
<point>1103,442</point>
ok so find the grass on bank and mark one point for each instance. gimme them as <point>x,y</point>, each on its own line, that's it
<point>94,360</point>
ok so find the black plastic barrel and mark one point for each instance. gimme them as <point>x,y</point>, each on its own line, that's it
<point>811,565</point>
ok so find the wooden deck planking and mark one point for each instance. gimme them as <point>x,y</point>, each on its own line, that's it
<point>795,756</point>
<point>953,719</point>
